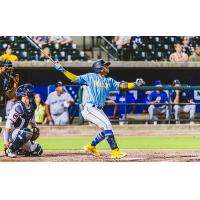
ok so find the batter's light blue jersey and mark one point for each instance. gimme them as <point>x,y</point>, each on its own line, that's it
<point>98,87</point>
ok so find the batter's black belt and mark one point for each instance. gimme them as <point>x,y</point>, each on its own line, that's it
<point>99,107</point>
<point>57,114</point>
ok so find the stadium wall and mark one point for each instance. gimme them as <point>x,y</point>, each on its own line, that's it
<point>42,73</point>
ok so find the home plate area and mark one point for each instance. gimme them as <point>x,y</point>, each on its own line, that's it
<point>133,156</point>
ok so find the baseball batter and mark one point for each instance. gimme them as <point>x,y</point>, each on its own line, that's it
<point>17,137</point>
<point>97,89</point>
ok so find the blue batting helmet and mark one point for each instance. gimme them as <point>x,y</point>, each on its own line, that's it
<point>26,89</point>
<point>98,65</point>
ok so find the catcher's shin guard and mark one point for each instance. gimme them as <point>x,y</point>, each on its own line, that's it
<point>36,149</point>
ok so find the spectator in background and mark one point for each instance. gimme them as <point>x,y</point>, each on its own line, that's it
<point>155,99</point>
<point>8,55</point>
<point>186,47</point>
<point>179,55</point>
<point>146,100</point>
<point>40,111</point>
<point>185,98</point>
<point>60,40</point>
<point>121,40</point>
<point>122,44</point>
<point>57,104</point>
<point>196,56</point>
<point>137,40</point>
<point>41,40</point>
<point>123,98</point>
<point>46,51</point>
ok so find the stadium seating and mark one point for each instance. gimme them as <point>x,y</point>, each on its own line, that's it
<point>157,48</point>
<point>26,51</point>
<point>153,48</point>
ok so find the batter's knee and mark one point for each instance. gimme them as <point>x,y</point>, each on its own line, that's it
<point>106,126</point>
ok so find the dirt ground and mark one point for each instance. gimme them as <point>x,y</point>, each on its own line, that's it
<point>133,156</point>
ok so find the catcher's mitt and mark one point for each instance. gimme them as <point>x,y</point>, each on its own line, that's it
<point>123,86</point>
<point>36,134</point>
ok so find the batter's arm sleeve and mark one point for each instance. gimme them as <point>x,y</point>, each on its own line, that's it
<point>68,74</point>
<point>131,85</point>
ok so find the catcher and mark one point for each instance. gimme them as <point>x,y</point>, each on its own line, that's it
<point>18,138</point>
<point>97,89</point>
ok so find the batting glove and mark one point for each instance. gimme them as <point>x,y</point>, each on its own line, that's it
<point>59,67</point>
<point>139,82</point>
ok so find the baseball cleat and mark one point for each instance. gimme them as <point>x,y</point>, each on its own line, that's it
<point>116,153</point>
<point>91,149</point>
<point>11,154</point>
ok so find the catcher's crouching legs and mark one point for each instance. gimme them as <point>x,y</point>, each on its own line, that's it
<point>19,138</point>
<point>32,148</point>
<point>22,143</point>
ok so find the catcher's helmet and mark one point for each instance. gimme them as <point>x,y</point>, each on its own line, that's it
<point>26,89</point>
<point>98,65</point>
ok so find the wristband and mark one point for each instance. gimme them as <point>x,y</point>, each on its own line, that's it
<point>7,136</point>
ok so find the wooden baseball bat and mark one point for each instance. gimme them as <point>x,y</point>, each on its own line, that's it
<point>37,47</point>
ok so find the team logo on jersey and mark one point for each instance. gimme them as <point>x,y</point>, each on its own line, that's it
<point>100,84</point>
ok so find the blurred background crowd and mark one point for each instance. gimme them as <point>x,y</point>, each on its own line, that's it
<point>124,48</point>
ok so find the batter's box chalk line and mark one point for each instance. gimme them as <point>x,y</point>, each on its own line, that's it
<point>132,159</point>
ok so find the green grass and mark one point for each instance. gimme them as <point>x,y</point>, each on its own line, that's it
<point>134,142</point>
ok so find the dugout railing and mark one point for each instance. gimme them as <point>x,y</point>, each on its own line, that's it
<point>169,105</point>
<point>75,111</point>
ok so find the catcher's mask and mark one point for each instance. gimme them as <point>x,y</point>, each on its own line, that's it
<point>25,90</point>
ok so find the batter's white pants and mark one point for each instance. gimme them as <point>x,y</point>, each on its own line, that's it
<point>96,116</point>
<point>187,109</point>
<point>62,119</point>
<point>29,146</point>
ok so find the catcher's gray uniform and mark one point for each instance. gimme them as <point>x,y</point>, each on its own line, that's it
<point>17,121</point>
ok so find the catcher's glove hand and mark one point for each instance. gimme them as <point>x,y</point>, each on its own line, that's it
<point>36,133</point>
<point>139,82</point>
<point>123,86</point>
